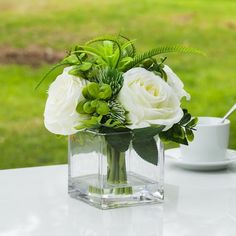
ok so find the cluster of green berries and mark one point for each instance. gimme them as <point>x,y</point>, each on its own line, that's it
<point>96,97</point>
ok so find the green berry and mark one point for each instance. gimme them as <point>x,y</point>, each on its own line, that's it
<point>88,108</point>
<point>93,89</point>
<point>80,108</point>
<point>94,103</point>
<point>105,92</point>
<point>85,92</point>
<point>102,108</point>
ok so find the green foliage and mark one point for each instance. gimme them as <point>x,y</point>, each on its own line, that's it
<point>93,122</point>
<point>129,46</point>
<point>99,103</point>
<point>142,140</point>
<point>120,139</point>
<point>102,61</point>
<point>117,112</point>
<point>81,70</point>
<point>151,64</point>
<point>144,143</point>
<point>112,77</point>
<point>108,52</point>
<point>71,60</point>
<point>182,132</point>
<point>160,50</point>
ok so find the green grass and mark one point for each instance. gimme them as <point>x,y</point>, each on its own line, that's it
<point>24,140</point>
<point>59,24</point>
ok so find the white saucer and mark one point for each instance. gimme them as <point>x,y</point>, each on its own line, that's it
<point>175,155</point>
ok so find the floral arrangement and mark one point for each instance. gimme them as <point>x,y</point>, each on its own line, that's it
<point>108,88</point>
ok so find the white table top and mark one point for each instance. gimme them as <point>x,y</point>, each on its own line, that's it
<point>34,201</point>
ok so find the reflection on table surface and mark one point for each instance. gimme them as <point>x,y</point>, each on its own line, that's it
<point>34,201</point>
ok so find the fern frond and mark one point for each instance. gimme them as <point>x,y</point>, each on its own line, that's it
<point>161,50</point>
<point>117,112</point>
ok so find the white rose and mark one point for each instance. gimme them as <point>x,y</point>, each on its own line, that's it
<point>60,116</point>
<point>149,100</point>
<point>174,82</point>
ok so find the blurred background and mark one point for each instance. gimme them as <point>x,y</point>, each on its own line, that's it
<point>35,34</point>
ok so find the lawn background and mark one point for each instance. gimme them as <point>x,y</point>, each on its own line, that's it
<point>205,24</point>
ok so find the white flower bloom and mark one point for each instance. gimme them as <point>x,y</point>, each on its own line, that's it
<point>174,81</point>
<point>149,100</point>
<point>60,116</point>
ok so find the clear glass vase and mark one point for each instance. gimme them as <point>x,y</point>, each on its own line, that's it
<point>106,178</point>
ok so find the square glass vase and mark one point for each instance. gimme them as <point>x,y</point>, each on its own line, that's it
<point>106,178</point>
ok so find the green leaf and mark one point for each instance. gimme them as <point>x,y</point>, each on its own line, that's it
<point>183,141</point>
<point>146,148</point>
<point>76,72</point>
<point>170,136</point>
<point>192,123</point>
<point>147,132</point>
<point>91,51</point>
<point>145,145</point>
<point>124,62</point>
<point>178,131</point>
<point>189,134</point>
<point>111,39</point>
<point>93,123</point>
<point>113,124</point>
<point>119,139</point>
<point>71,59</point>
<point>186,118</point>
<point>85,66</point>
<point>81,69</point>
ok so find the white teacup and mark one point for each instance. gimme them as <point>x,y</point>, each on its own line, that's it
<point>210,143</point>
